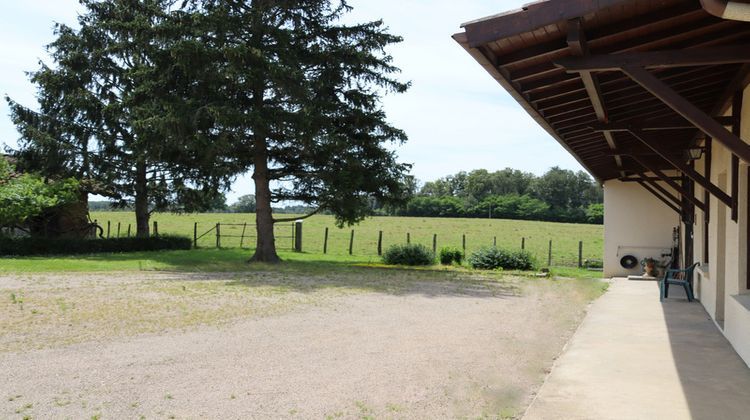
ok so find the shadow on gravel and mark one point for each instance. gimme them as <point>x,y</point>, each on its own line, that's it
<point>423,282</point>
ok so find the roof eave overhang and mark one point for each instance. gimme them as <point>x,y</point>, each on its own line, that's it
<point>530,17</point>
<point>462,40</point>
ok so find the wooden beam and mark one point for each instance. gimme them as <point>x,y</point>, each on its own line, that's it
<point>681,166</point>
<point>646,178</point>
<point>657,59</point>
<point>673,198</point>
<point>736,130</point>
<point>577,44</point>
<point>740,81</point>
<point>660,197</point>
<point>531,17</point>
<point>677,187</point>
<point>689,111</point>
<point>661,124</point>
<point>706,199</point>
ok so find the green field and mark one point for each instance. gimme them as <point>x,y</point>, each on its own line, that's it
<point>479,232</point>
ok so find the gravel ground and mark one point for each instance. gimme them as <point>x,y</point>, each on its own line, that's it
<point>432,349</point>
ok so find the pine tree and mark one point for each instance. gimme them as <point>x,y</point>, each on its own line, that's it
<point>117,111</point>
<point>298,92</point>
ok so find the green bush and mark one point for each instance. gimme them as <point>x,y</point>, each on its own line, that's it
<point>409,254</point>
<point>593,264</point>
<point>65,246</point>
<point>450,255</point>
<point>491,258</point>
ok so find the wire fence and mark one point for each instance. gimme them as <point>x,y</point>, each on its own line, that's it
<point>560,251</point>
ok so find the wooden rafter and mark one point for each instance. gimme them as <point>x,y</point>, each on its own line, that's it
<point>677,187</point>
<point>657,59</point>
<point>652,125</point>
<point>577,44</point>
<point>736,130</point>
<point>673,198</point>
<point>661,198</point>
<point>689,111</point>
<point>678,164</point>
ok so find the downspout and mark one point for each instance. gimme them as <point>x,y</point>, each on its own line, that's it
<point>730,10</point>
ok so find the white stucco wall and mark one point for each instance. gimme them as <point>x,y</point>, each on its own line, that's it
<point>635,223</point>
<point>728,244</point>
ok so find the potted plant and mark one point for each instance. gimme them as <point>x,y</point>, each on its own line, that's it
<point>649,266</point>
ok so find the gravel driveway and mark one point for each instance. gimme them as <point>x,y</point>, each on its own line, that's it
<point>430,348</point>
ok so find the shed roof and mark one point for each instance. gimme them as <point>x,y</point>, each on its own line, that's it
<point>521,48</point>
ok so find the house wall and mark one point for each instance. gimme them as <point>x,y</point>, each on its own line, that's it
<point>635,223</point>
<point>721,284</point>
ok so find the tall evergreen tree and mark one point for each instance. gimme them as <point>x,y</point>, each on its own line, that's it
<point>299,93</point>
<point>118,110</point>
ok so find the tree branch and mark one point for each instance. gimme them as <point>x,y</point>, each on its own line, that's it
<point>292,219</point>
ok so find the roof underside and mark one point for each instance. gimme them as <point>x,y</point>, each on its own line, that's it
<point>519,50</point>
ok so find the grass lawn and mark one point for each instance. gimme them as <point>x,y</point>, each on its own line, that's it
<point>479,232</point>
<point>225,260</point>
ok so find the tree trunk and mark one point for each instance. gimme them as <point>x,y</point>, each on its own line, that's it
<point>142,215</point>
<point>265,250</point>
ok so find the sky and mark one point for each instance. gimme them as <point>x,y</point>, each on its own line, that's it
<point>456,116</point>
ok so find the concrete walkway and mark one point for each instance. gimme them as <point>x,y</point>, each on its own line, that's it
<point>636,358</point>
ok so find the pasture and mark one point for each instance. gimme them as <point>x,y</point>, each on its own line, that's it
<point>449,231</point>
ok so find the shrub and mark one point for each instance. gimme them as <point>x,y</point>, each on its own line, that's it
<point>409,254</point>
<point>491,258</point>
<point>450,255</point>
<point>593,264</point>
<point>68,246</point>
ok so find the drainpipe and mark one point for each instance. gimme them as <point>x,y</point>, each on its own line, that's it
<point>730,10</point>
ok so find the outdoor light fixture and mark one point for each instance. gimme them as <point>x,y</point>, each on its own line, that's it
<point>695,153</point>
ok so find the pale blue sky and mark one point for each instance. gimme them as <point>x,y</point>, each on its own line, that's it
<point>457,117</point>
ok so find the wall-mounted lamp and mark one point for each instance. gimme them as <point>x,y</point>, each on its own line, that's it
<point>695,153</point>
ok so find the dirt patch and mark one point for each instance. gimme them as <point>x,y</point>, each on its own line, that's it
<point>401,345</point>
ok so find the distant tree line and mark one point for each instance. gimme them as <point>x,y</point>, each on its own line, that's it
<point>559,195</point>
<point>244,204</point>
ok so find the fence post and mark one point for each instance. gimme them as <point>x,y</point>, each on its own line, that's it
<point>380,243</point>
<point>195,235</point>
<point>351,242</point>
<point>128,230</point>
<point>156,228</point>
<point>523,243</point>
<point>108,225</point>
<point>325,242</point>
<point>549,255</point>
<point>242,238</point>
<point>408,237</point>
<point>463,242</point>
<point>218,235</point>
<point>118,229</point>
<point>580,254</point>
<point>494,241</point>
<point>298,236</point>
<point>434,243</point>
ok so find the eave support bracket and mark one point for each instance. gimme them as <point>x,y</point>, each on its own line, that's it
<point>634,66</point>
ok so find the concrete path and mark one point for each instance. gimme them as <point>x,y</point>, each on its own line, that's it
<point>636,358</point>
